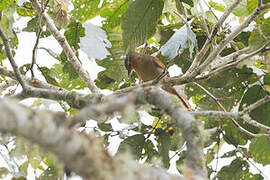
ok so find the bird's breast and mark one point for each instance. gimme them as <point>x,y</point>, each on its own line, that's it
<point>148,74</point>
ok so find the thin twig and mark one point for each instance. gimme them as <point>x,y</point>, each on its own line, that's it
<point>11,59</point>
<point>36,45</point>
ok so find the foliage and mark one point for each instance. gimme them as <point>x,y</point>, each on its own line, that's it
<point>125,26</point>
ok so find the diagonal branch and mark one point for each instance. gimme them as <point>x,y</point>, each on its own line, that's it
<point>232,35</point>
<point>11,59</point>
<point>223,113</point>
<point>208,42</point>
<point>67,49</point>
<point>240,59</point>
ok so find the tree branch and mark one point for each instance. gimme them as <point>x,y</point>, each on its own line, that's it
<point>208,42</point>
<point>11,59</point>
<point>191,128</point>
<point>231,115</point>
<point>67,49</point>
<point>83,154</point>
<point>232,35</point>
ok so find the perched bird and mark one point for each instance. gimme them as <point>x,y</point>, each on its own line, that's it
<point>149,68</point>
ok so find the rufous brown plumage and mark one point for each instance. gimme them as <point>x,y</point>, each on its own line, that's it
<point>149,68</point>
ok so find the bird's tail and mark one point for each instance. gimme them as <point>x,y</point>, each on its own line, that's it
<point>172,90</point>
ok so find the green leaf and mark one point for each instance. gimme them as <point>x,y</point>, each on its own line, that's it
<point>25,11</point>
<point>150,151</point>
<point>112,76</point>
<point>51,173</point>
<point>134,144</point>
<point>244,8</point>
<point>7,20</point>
<point>25,68</point>
<point>189,2</point>
<point>235,171</point>
<point>163,140</point>
<point>24,167</point>
<point>260,150</point>
<point>251,6</point>
<point>255,40</point>
<point>117,52</point>
<point>114,13</point>
<point>49,75</point>
<point>261,113</point>
<point>4,4</point>
<point>266,26</point>
<point>32,26</point>
<point>180,161</point>
<point>105,127</point>
<point>140,20</point>
<point>73,33</point>
<point>217,6</point>
<point>3,172</point>
<point>211,17</point>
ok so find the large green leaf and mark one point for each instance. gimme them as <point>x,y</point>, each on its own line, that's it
<point>114,13</point>
<point>140,20</point>
<point>163,140</point>
<point>260,150</point>
<point>266,27</point>
<point>134,144</point>
<point>32,26</point>
<point>150,151</point>
<point>73,33</point>
<point>235,171</point>
<point>261,113</point>
<point>255,40</point>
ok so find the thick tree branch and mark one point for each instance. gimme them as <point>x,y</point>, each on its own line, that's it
<point>191,128</point>
<point>48,91</point>
<point>74,99</point>
<point>83,154</point>
<point>67,49</point>
<point>100,111</point>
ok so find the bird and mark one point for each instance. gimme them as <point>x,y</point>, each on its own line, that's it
<point>149,68</point>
